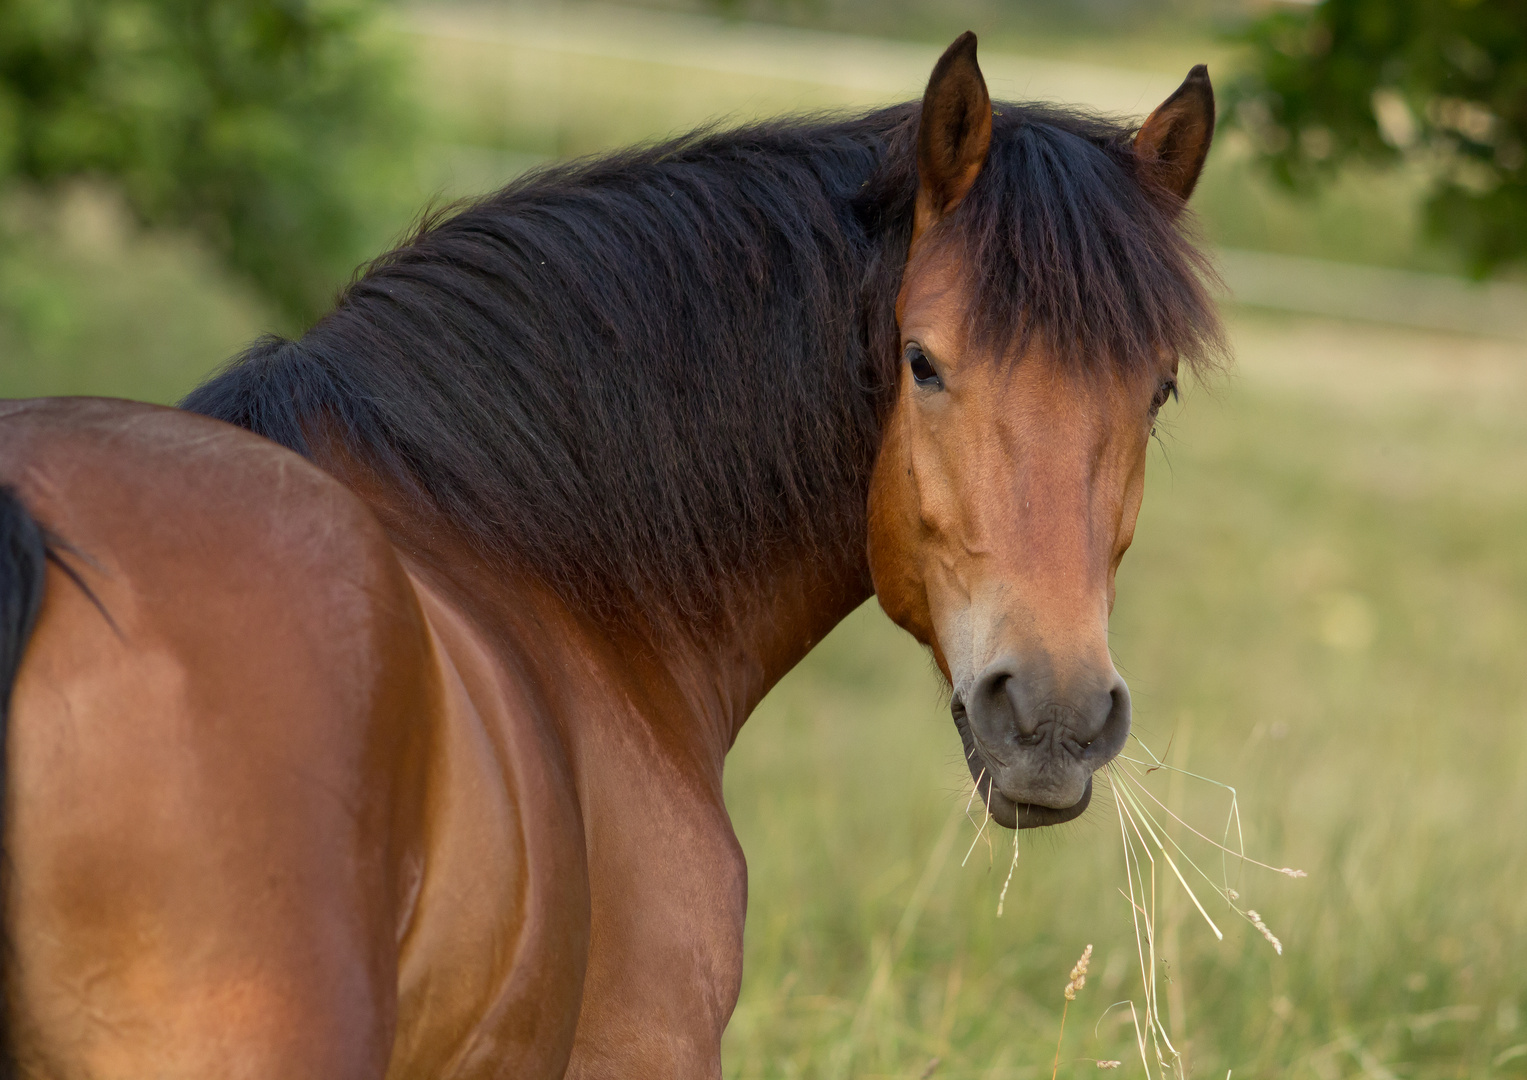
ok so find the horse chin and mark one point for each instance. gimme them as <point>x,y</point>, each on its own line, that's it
<point>1022,815</point>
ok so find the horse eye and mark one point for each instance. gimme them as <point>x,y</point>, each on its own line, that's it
<point>1167,389</point>
<point>922,368</point>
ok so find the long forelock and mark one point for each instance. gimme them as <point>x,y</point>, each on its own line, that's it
<point>1062,243</point>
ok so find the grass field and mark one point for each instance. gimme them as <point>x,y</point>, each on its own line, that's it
<point>1326,607</point>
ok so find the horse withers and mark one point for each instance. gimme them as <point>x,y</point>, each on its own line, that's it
<point>367,714</point>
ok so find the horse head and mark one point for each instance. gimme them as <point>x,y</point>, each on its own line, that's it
<point>1013,459</point>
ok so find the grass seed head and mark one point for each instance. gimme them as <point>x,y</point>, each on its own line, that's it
<point>1256,920</point>
<point>1079,974</point>
<point>1109,1064</point>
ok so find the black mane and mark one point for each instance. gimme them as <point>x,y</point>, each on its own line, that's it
<point>646,375</point>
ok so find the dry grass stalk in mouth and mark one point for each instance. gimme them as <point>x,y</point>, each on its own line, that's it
<point>981,830</point>
<point>1142,903</point>
<point>1144,837</point>
<point>1002,896</point>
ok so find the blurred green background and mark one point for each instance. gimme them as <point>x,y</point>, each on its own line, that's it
<point>1326,604</point>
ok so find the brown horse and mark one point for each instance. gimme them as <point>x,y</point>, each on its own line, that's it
<point>367,715</point>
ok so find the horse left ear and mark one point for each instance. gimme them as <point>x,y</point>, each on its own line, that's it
<point>953,135</point>
<point>1174,140</point>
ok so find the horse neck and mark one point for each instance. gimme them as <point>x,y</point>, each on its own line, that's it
<point>776,620</point>
<point>696,680</point>
<point>761,623</point>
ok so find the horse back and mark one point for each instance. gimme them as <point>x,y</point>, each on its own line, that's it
<point>247,781</point>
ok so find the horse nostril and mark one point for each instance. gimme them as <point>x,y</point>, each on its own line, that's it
<point>1114,729</point>
<point>993,690</point>
<point>997,708</point>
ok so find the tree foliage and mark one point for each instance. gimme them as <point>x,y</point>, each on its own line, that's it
<point>1440,83</point>
<point>264,125</point>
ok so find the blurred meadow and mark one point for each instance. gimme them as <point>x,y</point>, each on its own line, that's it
<point>1325,605</point>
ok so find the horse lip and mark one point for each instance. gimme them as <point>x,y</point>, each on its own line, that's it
<point>1022,815</point>
<point>1004,811</point>
<point>1032,816</point>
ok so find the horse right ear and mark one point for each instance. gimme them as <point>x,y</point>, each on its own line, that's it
<point>954,134</point>
<point>1174,140</point>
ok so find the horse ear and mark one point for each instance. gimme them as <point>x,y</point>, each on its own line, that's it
<point>1174,140</point>
<point>954,134</point>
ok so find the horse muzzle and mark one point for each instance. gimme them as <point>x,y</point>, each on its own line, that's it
<point>1034,739</point>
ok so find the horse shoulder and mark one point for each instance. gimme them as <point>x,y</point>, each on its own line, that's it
<point>494,953</point>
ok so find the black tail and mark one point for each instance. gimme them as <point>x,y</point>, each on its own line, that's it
<point>23,562</point>
<point>23,559</point>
